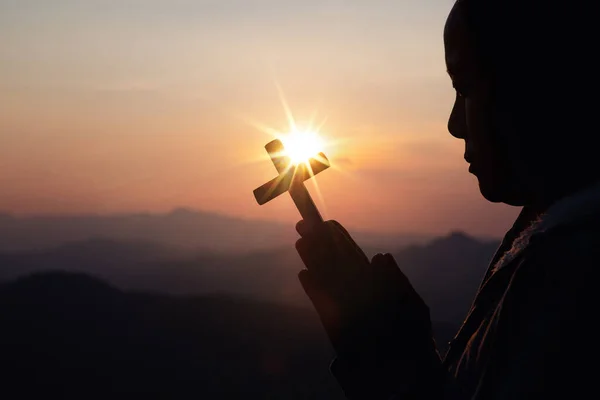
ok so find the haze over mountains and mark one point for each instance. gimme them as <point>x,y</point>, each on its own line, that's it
<point>190,253</point>
<point>181,229</point>
<point>189,304</point>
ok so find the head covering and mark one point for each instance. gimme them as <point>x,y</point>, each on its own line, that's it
<point>541,60</point>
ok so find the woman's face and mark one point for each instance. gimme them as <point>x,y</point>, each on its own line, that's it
<point>476,119</point>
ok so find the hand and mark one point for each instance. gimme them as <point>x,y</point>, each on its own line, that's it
<point>370,311</point>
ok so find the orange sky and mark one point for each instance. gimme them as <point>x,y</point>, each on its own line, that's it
<point>112,106</point>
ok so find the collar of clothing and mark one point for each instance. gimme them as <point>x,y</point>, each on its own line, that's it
<point>578,207</point>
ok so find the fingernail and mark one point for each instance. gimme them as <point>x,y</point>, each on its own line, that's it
<point>377,258</point>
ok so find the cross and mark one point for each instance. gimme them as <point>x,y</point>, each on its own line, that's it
<point>291,179</point>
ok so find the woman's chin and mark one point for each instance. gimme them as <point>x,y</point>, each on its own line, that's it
<point>498,193</point>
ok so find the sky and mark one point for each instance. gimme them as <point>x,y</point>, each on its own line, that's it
<point>150,105</point>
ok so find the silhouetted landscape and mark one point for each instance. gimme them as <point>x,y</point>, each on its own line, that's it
<point>208,200</point>
<point>182,229</point>
<point>135,313</point>
<point>132,313</point>
<point>142,253</point>
<point>69,334</point>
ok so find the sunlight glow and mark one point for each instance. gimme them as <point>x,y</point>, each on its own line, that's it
<point>301,146</point>
<point>303,141</point>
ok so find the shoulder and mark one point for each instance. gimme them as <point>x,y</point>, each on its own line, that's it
<point>543,342</point>
<point>572,243</point>
<point>563,260</point>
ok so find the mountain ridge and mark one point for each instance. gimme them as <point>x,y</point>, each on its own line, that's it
<point>181,228</point>
<point>66,334</point>
<point>446,271</point>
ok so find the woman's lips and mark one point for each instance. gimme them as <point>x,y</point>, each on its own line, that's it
<point>469,161</point>
<point>468,157</point>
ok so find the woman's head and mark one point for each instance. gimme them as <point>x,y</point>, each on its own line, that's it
<point>518,80</point>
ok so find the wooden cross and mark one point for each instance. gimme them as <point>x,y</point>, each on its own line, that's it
<point>291,179</point>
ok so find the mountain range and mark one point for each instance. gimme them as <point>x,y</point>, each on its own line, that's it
<point>188,304</point>
<point>72,336</point>
<point>446,271</point>
<point>181,229</point>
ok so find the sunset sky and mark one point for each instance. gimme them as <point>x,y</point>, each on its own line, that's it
<point>148,105</point>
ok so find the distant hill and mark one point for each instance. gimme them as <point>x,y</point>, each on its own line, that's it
<point>100,256</point>
<point>181,229</point>
<point>445,271</point>
<point>71,336</point>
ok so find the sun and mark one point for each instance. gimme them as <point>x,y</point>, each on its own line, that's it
<point>301,146</point>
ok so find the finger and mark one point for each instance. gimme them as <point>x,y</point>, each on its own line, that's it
<point>346,245</point>
<point>341,228</point>
<point>395,281</point>
<point>379,271</point>
<point>328,248</point>
<point>306,229</point>
<point>356,248</point>
<point>328,311</point>
<point>314,254</point>
<point>306,253</point>
<point>375,268</point>
<point>393,270</point>
<point>390,258</point>
<point>328,230</point>
<point>302,228</point>
<point>378,260</point>
<point>319,244</point>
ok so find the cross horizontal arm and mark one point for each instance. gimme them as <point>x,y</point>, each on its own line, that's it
<point>282,183</point>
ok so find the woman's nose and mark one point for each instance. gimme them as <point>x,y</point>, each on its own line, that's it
<point>457,125</point>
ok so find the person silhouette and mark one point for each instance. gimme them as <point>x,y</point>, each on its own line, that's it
<point>520,74</point>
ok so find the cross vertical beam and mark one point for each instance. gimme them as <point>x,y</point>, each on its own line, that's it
<point>291,179</point>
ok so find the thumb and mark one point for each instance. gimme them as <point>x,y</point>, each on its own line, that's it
<point>389,275</point>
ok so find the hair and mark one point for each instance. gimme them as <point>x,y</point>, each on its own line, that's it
<point>541,60</point>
